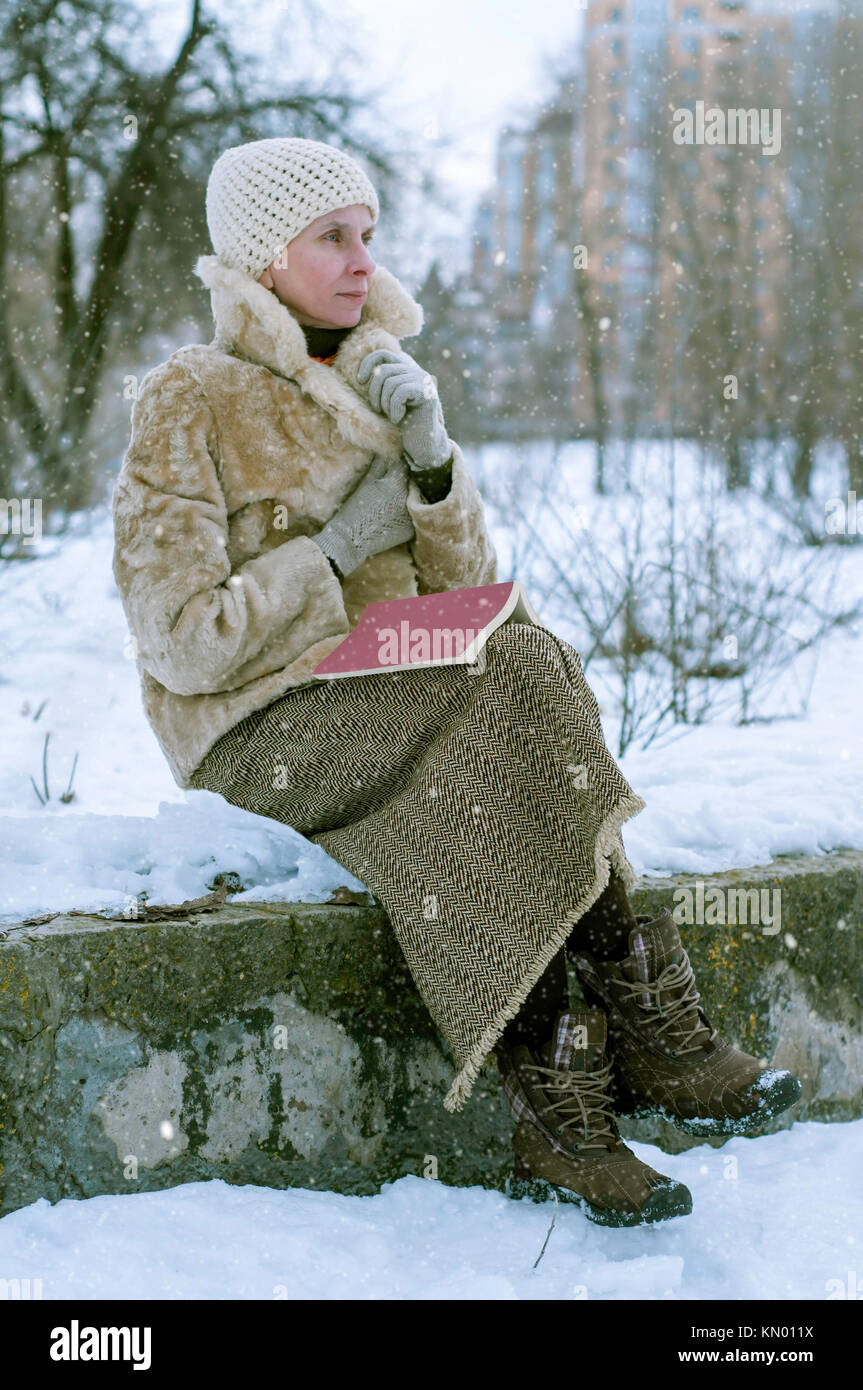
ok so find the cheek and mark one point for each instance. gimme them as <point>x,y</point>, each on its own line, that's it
<point>310,277</point>
<point>302,275</point>
<point>323,269</point>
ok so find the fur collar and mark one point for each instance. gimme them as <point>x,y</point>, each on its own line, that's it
<point>251,323</point>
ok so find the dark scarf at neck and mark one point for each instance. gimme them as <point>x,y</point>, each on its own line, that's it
<point>323,342</point>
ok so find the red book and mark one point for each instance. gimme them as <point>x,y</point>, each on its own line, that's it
<point>446,629</point>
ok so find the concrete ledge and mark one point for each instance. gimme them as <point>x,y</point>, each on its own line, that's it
<point>286,1044</point>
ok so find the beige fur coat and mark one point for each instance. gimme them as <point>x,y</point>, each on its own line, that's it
<point>241,450</point>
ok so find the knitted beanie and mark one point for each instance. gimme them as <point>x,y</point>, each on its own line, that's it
<point>262,194</point>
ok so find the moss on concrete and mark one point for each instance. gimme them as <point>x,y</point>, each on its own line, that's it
<point>286,1043</point>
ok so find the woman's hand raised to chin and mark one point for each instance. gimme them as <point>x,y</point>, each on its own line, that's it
<point>400,389</point>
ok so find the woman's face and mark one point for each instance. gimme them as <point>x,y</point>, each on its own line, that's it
<point>323,275</point>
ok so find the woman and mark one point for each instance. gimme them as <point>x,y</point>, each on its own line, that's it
<point>279,479</point>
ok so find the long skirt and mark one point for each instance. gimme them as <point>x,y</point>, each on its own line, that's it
<point>479,804</point>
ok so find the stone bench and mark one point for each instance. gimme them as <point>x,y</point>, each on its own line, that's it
<point>285,1044</point>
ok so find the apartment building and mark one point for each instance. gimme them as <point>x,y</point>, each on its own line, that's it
<point>599,187</point>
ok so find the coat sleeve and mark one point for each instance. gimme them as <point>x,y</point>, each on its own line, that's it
<point>452,548</point>
<point>199,626</point>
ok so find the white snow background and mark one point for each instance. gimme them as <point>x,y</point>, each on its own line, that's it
<point>787,1224</point>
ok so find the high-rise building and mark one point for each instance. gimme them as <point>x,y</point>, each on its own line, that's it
<point>678,241</point>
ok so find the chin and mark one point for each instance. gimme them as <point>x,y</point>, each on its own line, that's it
<point>353,311</point>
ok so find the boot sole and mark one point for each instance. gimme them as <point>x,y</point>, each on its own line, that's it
<point>779,1098</point>
<point>673,1200</point>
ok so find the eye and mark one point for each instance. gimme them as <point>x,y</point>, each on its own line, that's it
<point>367,236</point>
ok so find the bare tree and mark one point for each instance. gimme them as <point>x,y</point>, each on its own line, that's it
<point>104,155</point>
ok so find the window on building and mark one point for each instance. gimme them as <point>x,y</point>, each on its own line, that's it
<point>545,175</point>
<point>690,43</point>
<point>561,273</point>
<point>512,243</point>
<point>637,280</point>
<point>513,187</point>
<point>543,233</point>
<point>689,74</point>
<point>612,198</point>
<point>691,14</point>
<point>638,165</point>
<point>617,47</point>
<point>612,136</point>
<point>765,65</point>
<point>637,209</point>
<point>512,177</point>
<point>545,188</point>
<point>609,260</point>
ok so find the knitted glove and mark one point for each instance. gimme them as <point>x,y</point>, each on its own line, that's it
<point>401,390</point>
<point>374,518</point>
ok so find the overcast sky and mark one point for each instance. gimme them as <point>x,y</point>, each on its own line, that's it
<point>471,65</point>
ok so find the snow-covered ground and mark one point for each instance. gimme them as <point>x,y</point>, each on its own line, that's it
<point>718,796</point>
<point>780,1217</point>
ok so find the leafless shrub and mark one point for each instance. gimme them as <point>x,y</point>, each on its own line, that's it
<point>700,618</point>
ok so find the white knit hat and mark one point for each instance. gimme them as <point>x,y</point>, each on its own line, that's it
<point>262,194</point>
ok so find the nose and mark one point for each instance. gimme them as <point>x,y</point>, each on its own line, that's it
<point>362,263</point>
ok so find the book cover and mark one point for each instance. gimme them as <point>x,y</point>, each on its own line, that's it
<point>445,629</point>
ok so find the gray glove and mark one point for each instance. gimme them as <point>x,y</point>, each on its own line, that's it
<point>401,390</point>
<point>374,518</point>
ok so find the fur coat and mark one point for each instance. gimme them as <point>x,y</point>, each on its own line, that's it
<point>240,451</point>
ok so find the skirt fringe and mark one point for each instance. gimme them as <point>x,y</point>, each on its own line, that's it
<point>608,854</point>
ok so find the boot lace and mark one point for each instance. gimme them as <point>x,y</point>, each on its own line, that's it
<point>679,1011</point>
<point>583,1100</point>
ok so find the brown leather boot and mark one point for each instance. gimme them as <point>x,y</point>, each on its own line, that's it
<point>566,1140</point>
<point>666,1055</point>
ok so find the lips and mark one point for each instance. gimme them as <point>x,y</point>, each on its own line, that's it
<point>354,294</point>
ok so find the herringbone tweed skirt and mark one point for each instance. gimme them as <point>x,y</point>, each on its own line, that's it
<point>479,804</point>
